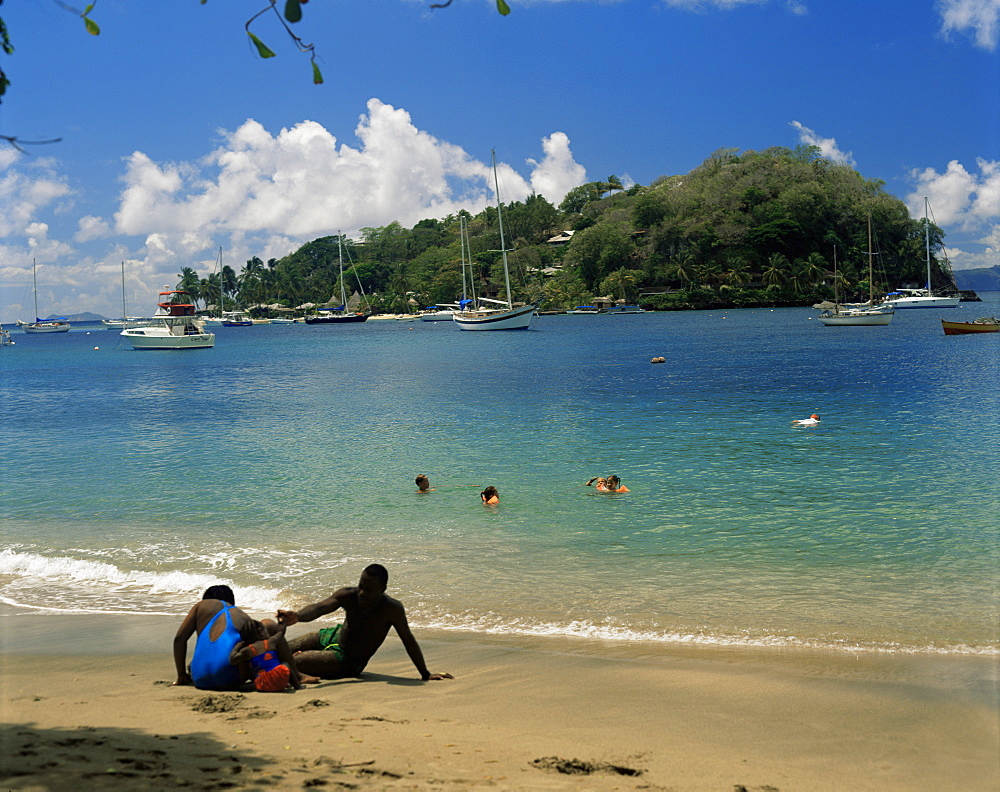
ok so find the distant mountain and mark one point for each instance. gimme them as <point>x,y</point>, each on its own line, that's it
<point>86,316</point>
<point>984,279</point>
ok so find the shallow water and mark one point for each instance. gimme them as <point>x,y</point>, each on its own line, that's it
<point>282,461</point>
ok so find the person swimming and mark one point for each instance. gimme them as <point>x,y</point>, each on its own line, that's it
<point>812,420</point>
<point>423,483</point>
<point>490,496</point>
<point>609,484</point>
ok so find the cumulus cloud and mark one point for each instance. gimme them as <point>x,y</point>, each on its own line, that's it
<point>558,172</point>
<point>26,190</point>
<point>827,146</point>
<point>303,183</point>
<point>969,200</point>
<point>90,227</point>
<point>977,18</point>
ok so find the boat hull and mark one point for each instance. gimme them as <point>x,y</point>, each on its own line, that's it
<point>155,338</point>
<point>345,319</point>
<point>46,327</point>
<point>925,302</point>
<point>515,319</point>
<point>863,319</point>
<point>966,328</point>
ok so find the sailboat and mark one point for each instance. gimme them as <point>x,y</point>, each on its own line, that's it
<point>923,298</point>
<point>126,321</point>
<point>341,315</point>
<point>473,316</point>
<point>864,314</point>
<point>60,325</point>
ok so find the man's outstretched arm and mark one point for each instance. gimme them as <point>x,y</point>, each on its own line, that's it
<point>413,648</point>
<point>313,611</point>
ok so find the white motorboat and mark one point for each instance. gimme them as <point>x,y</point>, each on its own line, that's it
<point>472,314</point>
<point>173,326</point>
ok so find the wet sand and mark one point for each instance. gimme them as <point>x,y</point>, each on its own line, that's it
<point>87,704</point>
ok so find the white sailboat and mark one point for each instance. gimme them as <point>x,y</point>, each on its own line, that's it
<point>473,315</point>
<point>865,314</point>
<point>924,298</point>
<point>60,325</point>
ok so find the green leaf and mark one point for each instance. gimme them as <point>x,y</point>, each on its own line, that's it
<point>293,11</point>
<point>317,74</point>
<point>502,7</point>
<point>87,10</point>
<point>262,49</point>
<point>92,27</point>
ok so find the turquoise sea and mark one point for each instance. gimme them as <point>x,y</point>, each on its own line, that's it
<point>282,462</point>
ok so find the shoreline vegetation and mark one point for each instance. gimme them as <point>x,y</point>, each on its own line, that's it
<point>743,229</point>
<point>540,713</point>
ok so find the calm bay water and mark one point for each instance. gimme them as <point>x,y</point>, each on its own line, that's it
<point>282,461</point>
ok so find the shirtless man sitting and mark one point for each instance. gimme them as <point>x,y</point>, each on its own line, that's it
<point>344,650</point>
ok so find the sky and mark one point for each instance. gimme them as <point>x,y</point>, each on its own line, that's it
<point>177,140</point>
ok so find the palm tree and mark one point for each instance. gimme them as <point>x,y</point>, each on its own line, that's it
<point>776,271</point>
<point>190,282</point>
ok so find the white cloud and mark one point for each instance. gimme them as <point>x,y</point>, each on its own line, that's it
<point>558,172</point>
<point>24,191</point>
<point>303,183</point>
<point>697,5</point>
<point>90,227</point>
<point>827,146</point>
<point>978,18</point>
<point>966,201</point>
<point>958,197</point>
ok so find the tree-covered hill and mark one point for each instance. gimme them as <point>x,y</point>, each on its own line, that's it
<point>743,228</point>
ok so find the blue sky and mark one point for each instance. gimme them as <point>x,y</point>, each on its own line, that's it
<point>178,140</point>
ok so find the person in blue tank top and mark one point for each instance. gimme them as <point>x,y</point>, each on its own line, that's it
<point>217,621</point>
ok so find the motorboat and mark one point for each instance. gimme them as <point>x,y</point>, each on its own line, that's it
<point>173,326</point>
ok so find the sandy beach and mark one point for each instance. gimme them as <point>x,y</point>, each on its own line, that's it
<point>87,704</point>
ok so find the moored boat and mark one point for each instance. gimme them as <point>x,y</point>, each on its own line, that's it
<point>864,314</point>
<point>472,315</point>
<point>173,326</point>
<point>925,297</point>
<point>340,315</point>
<point>60,325</point>
<point>984,324</point>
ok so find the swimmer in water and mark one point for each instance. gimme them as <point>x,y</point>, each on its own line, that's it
<point>490,496</point>
<point>610,484</point>
<point>423,483</point>
<point>812,420</point>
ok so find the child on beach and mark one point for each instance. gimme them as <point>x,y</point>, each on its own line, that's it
<point>490,496</point>
<point>268,657</point>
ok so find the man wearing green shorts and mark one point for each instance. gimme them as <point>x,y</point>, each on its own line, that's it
<point>344,650</point>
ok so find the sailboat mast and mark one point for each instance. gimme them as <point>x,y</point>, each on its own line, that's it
<point>340,253</point>
<point>871,278</point>
<point>461,242</point>
<point>503,245</point>
<point>927,243</point>
<point>124,309</point>
<point>34,288</point>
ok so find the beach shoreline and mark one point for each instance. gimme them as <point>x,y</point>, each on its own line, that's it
<point>87,704</point>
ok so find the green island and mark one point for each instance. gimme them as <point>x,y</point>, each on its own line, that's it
<point>744,229</point>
